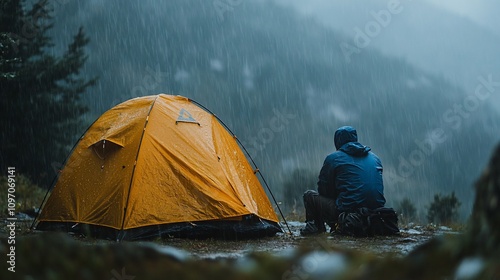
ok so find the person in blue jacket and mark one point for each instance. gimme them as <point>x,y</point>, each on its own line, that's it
<point>350,178</point>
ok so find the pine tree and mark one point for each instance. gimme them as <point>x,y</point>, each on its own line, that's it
<point>40,106</point>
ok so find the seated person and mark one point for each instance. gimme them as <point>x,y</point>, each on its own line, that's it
<point>350,178</point>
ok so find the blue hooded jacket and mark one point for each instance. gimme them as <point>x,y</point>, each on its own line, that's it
<point>353,174</point>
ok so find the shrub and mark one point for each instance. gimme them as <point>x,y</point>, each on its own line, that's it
<point>406,210</point>
<point>294,187</point>
<point>28,196</point>
<point>444,209</point>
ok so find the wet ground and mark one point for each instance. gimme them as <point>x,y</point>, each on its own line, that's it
<point>285,243</point>
<point>284,256</point>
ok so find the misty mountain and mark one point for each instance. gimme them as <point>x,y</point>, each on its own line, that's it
<point>283,85</point>
<point>483,12</point>
<point>425,35</point>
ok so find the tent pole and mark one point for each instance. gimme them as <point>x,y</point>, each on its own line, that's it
<point>120,233</point>
<point>251,159</point>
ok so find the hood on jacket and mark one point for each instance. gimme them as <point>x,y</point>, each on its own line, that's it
<point>346,140</point>
<point>344,135</point>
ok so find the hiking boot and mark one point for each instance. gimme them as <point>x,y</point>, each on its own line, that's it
<point>310,229</point>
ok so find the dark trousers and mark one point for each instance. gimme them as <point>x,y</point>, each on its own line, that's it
<point>320,210</point>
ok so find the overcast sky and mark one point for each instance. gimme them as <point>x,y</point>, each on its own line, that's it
<point>484,12</point>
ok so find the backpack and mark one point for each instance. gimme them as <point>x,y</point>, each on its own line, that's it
<point>363,222</point>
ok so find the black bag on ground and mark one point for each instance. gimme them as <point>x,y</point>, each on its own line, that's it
<point>383,221</point>
<point>368,222</point>
<point>352,223</point>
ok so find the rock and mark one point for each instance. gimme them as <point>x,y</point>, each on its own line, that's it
<point>484,234</point>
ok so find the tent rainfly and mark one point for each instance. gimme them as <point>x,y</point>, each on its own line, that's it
<point>158,166</point>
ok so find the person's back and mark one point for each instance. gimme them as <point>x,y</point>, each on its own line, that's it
<point>357,176</point>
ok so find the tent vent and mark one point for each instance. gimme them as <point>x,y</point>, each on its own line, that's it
<point>104,148</point>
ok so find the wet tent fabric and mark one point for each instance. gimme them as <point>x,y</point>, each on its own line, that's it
<point>158,165</point>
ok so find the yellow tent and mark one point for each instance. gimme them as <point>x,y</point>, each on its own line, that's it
<point>155,166</point>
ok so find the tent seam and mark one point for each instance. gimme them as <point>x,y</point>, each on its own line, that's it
<point>135,164</point>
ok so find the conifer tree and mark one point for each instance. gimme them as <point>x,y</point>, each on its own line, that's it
<point>41,106</point>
